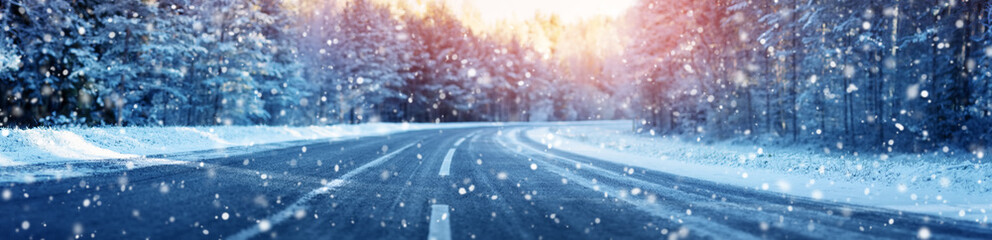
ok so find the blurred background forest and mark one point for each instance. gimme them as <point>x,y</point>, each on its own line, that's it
<point>895,75</point>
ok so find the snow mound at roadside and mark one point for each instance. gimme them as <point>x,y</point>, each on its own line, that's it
<point>934,184</point>
<point>57,145</point>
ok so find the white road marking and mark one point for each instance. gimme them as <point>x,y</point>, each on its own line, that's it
<point>301,204</point>
<point>459,142</point>
<point>446,164</point>
<point>440,228</point>
<point>658,210</point>
<point>440,223</point>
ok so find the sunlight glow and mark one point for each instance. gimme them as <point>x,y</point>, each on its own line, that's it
<point>570,11</point>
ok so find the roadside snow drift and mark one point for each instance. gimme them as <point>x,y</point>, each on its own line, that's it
<point>29,154</point>
<point>939,184</point>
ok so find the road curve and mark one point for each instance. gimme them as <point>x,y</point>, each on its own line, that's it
<point>474,183</point>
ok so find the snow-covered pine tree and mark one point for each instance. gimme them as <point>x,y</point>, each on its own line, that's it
<point>282,83</point>
<point>371,61</point>
<point>983,78</point>
<point>126,38</point>
<point>49,34</point>
<point>10,57</point>
<point>237,53</point>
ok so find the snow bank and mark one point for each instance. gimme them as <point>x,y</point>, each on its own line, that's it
<point>46,145</point>
<point>934,184</point>
<point>27,155</point>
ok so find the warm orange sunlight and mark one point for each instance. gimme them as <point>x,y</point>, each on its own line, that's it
<point>577,35</point>
<point>495,119</point>
<point>570,11</point>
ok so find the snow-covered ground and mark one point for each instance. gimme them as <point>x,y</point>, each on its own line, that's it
<point>937,183</point>
<point>27,155</point>
<point>940,184</point>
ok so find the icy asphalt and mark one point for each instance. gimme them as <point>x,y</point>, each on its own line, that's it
<point>474,183</point>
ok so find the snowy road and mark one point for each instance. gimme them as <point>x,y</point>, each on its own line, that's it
<point>488,183</point>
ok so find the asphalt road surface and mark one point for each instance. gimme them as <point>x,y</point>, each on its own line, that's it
<point>476,183</point>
